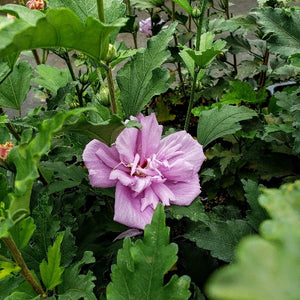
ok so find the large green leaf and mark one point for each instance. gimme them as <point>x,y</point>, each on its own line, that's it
<point>77,286</point>
<point>51,271</point>
<point>14,88</point>
<point>106,131</point>
<point>56,28</point>
<point>141,266</point>
<point>22,232</point>
<point>216,123</point>
<point>284,27</point>
<point>208,50</point>
<point>221,237</point>
<point>267,266</point>
<point>185,5</point>
<point>52,78</point>
<point>142,78</point>
<point>113,9</point>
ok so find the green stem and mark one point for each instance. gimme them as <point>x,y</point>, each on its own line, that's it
<point>100,7</point>
<point>66,57</point>
<point>196,70</point>
<point>189,111</point>
<point>36,57</point>
<point>24,269</point>
<point>111,88</point>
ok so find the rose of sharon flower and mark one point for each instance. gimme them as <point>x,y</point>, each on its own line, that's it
<point>146,170</point>
<point>145,27</point>
<point>36,4</point>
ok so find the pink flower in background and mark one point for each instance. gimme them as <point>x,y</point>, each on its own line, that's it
<point>36,4</point>
<point>145,27</point>
<point>146,170</point>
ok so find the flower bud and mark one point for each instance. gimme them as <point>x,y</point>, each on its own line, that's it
<point>4,149</point>
<point>196,12</point>
<point>36,4</point>
<point>103,96</point>
<point>111,54</point>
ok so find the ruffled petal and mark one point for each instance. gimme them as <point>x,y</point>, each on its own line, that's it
<point>149,198</point>
<point>99,172</point>
<point>126,144</point>
<point>163,192</point>
<point>190,150</point>
<point>128,208</point>
<point>148,137</point>
<point>184,192</point>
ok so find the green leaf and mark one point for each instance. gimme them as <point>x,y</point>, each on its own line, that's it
<point>185,5</point>
<point>51,272</point>
<point>208,50</point>
<point>221,237</point>
<point>142,78</point>
<point>77,286</point>
<point>7,268</point>
<point>82,9</point>
<point>113,9</point>
<point>284,27</point>
<point>194,212</point>
<point>22,232</point>
<point>52,78</point>
<point>141,266</point>
<point>267,266</point>
<point>34,29</point>
<point>216,123</point>
<point>147,4</point>
<point>15,87</point>
<point>257,214</point>
<point>242,92</point>
<point>26,159</point>
<point>106,131</point>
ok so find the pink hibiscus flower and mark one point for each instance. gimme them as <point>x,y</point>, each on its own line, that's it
<point>146,170</point>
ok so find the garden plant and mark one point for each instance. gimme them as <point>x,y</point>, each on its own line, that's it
<point>165,172</point>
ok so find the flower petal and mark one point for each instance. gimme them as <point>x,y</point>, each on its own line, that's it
<point>128,208</point>
<point>126,144</point>
<point>98,171</point>
<point>190,150</point>
<point>148,140</point>
<point>184,192</point>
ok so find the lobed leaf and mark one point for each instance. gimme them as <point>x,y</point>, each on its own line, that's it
<point>14,88</point>
<point>216,123</point>
<point>141,266</point>
<point>267,266</point>
<point>51,271</point>
<point>55,28</point>
<point>142,78</point>
<point>283,26</point>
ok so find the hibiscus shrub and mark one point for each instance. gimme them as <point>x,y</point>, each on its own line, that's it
<point>137,173</point>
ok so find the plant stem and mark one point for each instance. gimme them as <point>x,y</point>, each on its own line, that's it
<point>111,88</point>
<point>100,7</point>
<point>176,45</point>
<point>24,269</point>
<point>188,115</point>
<point>196,70</point>
<point>36,57</point>
<point>66,57</point>
<point>262,76</point>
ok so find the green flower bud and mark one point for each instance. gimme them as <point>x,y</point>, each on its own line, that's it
<point>111,54</point>
<point>103,96</point>
<point>196,12</point>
